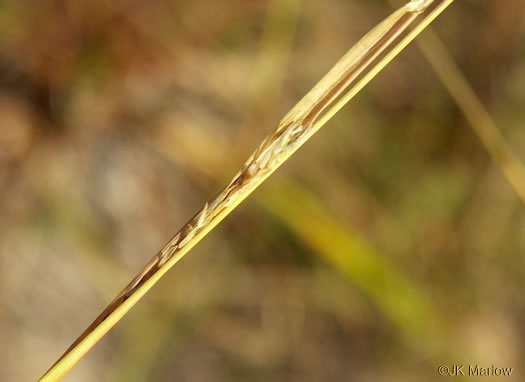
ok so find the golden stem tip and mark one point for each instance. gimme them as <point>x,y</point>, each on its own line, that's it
<point>419,5</point>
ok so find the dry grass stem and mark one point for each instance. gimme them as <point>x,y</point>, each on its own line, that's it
<point>306,118</point>
<point>476,114</point>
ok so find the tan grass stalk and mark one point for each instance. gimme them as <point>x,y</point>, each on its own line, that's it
<point>475,112</point>
<point>303,120</point>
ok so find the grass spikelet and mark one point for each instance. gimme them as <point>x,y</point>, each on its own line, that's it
<point>332,92</point>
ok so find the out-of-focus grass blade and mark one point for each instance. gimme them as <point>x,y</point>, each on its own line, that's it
<point>476,114</point>
<point>307,217</point>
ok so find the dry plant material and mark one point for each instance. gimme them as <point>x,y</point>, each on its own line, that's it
<point>303,120</point>
<point>475,112</point>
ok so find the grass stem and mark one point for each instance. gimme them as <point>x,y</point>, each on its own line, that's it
<point>303,120</point>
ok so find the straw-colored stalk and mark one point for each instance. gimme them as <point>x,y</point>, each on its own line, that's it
<point>303,120</point>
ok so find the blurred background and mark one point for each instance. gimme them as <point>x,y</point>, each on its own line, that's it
<point>390,244</point>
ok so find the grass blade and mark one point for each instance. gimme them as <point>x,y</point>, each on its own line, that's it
<point>304,120</point>
<point>475,112</point>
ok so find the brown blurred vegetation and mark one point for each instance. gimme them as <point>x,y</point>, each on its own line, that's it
<point>390,244</point>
